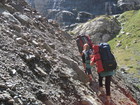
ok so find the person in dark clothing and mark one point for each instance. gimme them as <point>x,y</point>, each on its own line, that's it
<point>107,84</point>
<point>96,58</point>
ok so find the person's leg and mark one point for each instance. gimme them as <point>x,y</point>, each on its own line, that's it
<point>100,79</point>
<point>89,75</point>
<point>107,86</point>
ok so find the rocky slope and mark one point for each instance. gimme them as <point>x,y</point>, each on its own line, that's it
<point>68,12</point>
<point>40,63</point>
<point>100,29</point>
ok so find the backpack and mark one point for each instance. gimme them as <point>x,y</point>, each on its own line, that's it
<point>81,40</point>
<point>108,60</point>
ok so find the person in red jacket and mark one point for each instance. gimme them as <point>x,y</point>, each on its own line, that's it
<point>101,73</point>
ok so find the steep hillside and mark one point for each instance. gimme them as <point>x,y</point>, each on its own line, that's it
<point>37,63</point>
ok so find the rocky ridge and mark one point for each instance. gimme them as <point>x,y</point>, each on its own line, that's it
<point>40,63</point>
<point>68,12</point>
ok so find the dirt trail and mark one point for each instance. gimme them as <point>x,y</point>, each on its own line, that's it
<point>119,95</point>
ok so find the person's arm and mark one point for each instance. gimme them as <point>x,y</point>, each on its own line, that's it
<point>92,61</point>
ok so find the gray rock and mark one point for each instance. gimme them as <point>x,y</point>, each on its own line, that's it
<point>118,45</point>
<point>49,102</point>
<point>47,47</point>
<point>5,97</point>
<point>10,8</point>
<point>13,72</point>
<point>122,32</point>
<point>80,74</point>
<point>40,71</point>
<point>18,100</point>
<point>35,42</point>
<point>84,16</point>
<point>16,27</point>
<point>25,20</point>
<point>3,86</point>
<point>89,100</point>
<point>100,29</point>
<point>21,41</point>
<point>10,17</point>
<point>63,16</point>
<point>11,101</point>
<point>63,75</point>
<point>126,5</point>
<point>30,57</point>
<point>52,45</point>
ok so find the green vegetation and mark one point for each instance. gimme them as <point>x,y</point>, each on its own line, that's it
<point>71,33</point>
<point>101,17</point>
<point>128,53</point>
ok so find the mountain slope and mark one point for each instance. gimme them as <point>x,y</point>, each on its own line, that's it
<point>37,63</point>
<point>40,63</point>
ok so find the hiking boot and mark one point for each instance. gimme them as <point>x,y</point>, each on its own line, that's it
<point>101,92</point>
<point>108,100</point>
<point>90,83</point>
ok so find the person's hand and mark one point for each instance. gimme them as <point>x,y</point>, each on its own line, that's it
<point>84,71</point>
<point>91,63</point>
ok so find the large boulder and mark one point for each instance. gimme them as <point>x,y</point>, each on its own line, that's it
<point>25,20</point>
<point>84,16</point>
<point>65,16</point>
<point>10,17</point>
<point>126,5</point>
<point>101,29</point>
<point>51,14</point>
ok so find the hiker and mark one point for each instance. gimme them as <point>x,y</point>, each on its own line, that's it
<point>86,55</point>
<point>101,73</point>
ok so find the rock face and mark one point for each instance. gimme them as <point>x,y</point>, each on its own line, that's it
<point>126,5</point>
<point>92,6</point>
<point>39,63</point>
<point>100,29</point>
<point>53,8</point>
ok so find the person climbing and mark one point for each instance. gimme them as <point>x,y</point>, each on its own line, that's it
<point>86,55</point>
<point>96,58</point>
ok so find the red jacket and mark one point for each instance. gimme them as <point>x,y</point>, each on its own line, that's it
<point>97,59</point>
